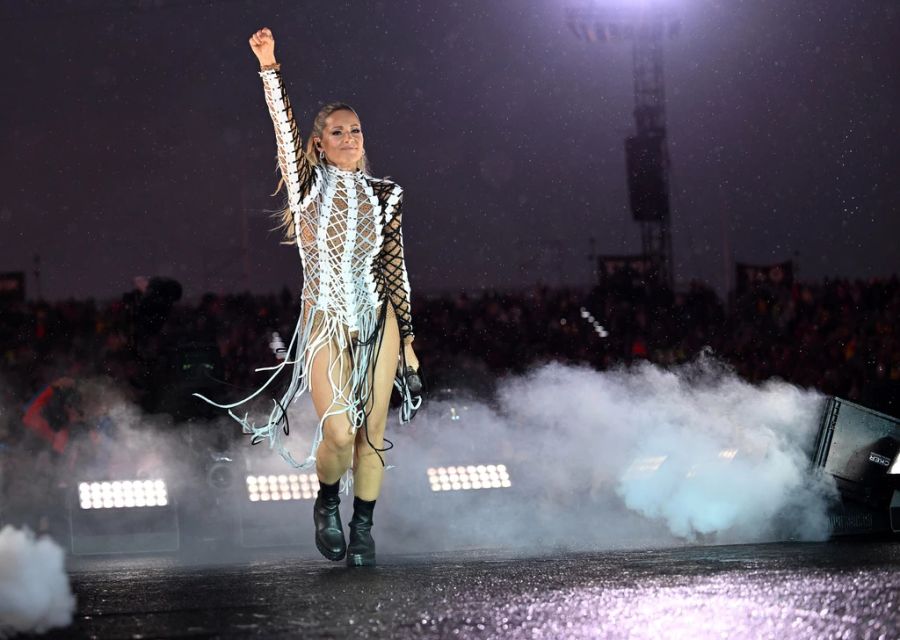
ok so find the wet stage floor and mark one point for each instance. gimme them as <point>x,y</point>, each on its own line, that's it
<point>818,590</point>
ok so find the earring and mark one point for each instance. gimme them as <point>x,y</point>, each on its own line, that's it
<point>321,154</point>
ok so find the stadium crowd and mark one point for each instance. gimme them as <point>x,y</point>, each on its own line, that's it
<point>840,337</point>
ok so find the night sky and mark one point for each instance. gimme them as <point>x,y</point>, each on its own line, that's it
<point>134,133</point>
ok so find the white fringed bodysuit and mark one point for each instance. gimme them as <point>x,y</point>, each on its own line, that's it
<point>347,228</point>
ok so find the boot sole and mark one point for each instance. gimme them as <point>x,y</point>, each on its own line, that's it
<point>360,560</point>
<point>330,555</point>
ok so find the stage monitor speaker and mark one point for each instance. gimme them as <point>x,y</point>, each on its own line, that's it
<point>123,531</point>
<point>275,524</point>
<point>895,512</point>
<point>647,181</point>
<point>849,518</point>
<point>859,447</point>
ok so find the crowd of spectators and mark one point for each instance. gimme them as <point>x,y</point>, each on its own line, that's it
<point>839,336</point>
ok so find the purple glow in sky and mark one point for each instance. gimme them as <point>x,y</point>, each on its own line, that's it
<point>136,137</point>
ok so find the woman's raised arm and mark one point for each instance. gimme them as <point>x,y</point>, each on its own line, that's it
<point>296,171</point>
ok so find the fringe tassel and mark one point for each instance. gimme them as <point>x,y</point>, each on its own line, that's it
<point>301,351</point>
<point>351,399</point>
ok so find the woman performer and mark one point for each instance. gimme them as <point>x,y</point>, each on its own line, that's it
<point>356,311</point>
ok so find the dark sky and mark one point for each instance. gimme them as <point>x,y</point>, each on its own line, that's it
<point>134,133</point>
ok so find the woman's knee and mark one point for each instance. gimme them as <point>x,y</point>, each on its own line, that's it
<point>373,432</point>
<point>337,434</point>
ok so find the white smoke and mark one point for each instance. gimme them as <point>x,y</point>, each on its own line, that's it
<point>634,456</point>
<point>641,456</point>
<point>34,590</point>
<point>694,446</point>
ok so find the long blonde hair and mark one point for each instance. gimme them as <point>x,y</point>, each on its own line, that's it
<point>284,216</point>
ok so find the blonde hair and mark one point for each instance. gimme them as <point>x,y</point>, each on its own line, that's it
<point>284,216</point>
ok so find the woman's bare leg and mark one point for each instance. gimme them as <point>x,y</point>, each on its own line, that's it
<point>335,452</point>
<point>368,470</point>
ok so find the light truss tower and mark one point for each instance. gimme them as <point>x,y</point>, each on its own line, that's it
<point>646,23</point>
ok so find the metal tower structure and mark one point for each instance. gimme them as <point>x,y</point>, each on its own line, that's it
<point>646,23</point>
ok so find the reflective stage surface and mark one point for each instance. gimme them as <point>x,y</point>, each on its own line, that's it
<point>827,590</point>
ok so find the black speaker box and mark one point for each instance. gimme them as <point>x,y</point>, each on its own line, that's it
<point>859,447</point>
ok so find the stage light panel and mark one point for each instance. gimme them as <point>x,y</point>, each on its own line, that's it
<point>122,494</point>
<point>293,486</point>
<point>464,478</point>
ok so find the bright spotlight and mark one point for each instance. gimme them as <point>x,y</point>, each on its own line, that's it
<point>122,494</point>
<point>463,478</point>
<point>294,486</point>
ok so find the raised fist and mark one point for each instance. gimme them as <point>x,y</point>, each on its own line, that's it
<point>263,44</point>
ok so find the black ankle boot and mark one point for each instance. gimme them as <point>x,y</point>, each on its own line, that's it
<point>361,550</point>
<point>329,530</point>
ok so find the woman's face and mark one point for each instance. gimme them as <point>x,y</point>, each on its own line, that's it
<point>342,139</point>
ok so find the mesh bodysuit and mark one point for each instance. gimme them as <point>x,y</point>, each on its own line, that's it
<point>347,228</point>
